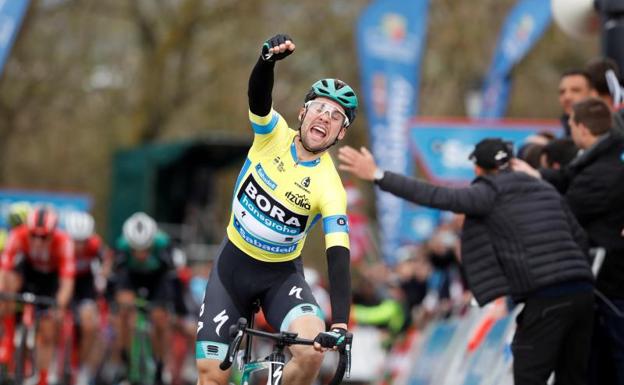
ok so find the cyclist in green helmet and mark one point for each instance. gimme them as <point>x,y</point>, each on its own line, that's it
<point>16,216</point>
<point>287,184</point>
<point>18,212</point>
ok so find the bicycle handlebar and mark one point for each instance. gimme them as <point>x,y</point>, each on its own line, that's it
<point>28,298</point>
<point>238,330</point>
<point>236,333</point>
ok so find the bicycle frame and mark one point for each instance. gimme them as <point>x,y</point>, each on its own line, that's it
<point>276,360</point>
<point>68,350</point>
<point>24,342</point>
<point>274,363</point>
<point>142,366</point>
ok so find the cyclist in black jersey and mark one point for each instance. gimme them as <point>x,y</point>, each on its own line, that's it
<point>286,185</point>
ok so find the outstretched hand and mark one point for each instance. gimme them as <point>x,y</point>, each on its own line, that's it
<point>277,48</point>
<point>359,163</point>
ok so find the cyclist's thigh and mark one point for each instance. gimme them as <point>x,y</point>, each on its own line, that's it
<point>159,291</point>
<point>208,372</point>
<point>84,290</point>
<point>86,315</point>
<point>217,313</point>
<point>83,302</point>
<point>124,290</point>
<point>288,300</point>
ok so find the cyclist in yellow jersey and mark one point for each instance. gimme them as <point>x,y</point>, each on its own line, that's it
<point>287,184</point>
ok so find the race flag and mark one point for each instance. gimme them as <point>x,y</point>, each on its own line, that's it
<point>525,25</point>
<point>11,16</point>
<point>390,39</point>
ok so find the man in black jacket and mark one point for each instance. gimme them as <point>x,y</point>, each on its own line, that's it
<point>518,239</point>
<point>593,185</point>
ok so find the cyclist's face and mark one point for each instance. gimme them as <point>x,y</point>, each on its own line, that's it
<point>39,242</point>
<point>323,122</point>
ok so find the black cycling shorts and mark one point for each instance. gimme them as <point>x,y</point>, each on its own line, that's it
<point>37,282</point>
<point>84,289</point>
<point>153,286</point>
<point>236,282</point>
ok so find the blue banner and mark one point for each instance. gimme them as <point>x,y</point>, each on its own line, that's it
<point>62,202</point>
<point>11,15</point>
<point>491,352</point>
<point>433,351</point>
<point>390,38</point>
<point>524,26</point>
<point>442,147</point>
<point>418,223</point>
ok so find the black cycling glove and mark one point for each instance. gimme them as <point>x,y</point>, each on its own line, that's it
<point>334,337</point>
<point>274,42</point>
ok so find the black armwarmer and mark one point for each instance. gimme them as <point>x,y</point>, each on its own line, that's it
<point>338,260</point>
<point>261,87</point>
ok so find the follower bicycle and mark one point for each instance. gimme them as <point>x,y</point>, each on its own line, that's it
<point>141,364</point>
<point>21,354</point>
<point>275,361</point>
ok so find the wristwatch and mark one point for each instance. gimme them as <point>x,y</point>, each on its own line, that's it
<point>378,175</point>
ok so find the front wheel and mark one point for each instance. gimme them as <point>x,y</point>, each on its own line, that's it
<point>24,365</point>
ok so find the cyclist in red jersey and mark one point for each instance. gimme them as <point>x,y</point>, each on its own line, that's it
<point>93,261</point>
<point>39,258</point>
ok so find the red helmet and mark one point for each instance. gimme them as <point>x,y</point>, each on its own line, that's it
<point>41,221</point>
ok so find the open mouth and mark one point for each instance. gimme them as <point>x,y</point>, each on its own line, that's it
<point>318,131</point>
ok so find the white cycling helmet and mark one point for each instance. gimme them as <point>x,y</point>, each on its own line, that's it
<point>140,231</point>
<point>79,225</point>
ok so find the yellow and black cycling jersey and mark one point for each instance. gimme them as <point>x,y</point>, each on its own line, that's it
<point>278,199</point>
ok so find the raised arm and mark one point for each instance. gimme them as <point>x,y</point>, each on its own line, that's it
<point>261,80</point>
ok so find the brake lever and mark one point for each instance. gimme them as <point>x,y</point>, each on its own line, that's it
<point>347,348</point>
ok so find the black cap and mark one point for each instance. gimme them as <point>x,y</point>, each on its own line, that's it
<point>492,153</point>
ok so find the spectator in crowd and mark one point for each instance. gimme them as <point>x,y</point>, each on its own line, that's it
<point>593,185</point>
<point>412,273</point>
<point>378,300</point>
<point>558,153</point>
<point>518,239</point>
<point>445,284</point>
<point>574,86</point>
<point>531,153</point>
<point>597,69</point>
<point>531,149</point>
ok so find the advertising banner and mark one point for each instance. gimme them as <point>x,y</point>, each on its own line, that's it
<point>523,27</point>
<point>11,15</point>
<point>61,202</point>
<point>390,39</point>
<point>442,147</point>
